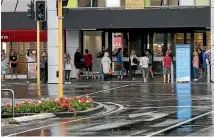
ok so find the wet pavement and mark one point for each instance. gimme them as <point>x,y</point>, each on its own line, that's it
<point>152,109</point>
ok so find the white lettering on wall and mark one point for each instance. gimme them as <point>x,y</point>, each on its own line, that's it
<point>4,37</point>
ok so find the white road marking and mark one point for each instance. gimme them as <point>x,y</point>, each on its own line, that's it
<point>179,124</point>
<point>107,90</point>
<point>71,120</point>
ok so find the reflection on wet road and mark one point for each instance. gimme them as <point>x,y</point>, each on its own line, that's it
<point>149,109</point>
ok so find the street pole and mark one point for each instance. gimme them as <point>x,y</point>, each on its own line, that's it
<point>38,56</point>
<point>60,58</point>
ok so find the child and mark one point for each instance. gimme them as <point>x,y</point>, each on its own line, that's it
<point>106,63</point>
<point>167,60</point>
<point>68,67</point>
<point>144,63</point>
<point>195,65</point>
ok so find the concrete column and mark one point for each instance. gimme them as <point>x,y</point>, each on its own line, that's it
<point>72,43</point>
<point>212,40</point>
<point>52,44</point>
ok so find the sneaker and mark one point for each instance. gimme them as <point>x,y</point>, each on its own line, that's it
<point>133,78</point>
<point>195,79</point>
<point>107,82</point>
<point>69,82</point>
<point>66,82</point>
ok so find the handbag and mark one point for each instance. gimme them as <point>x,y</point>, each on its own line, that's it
<point>135,61</point>
<point>118,66</point>
<point>110,71</point>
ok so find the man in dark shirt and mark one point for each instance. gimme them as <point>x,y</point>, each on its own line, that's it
<point>13,63</point>
<point>205,63</point>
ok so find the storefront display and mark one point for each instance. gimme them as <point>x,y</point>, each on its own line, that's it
<point>20,41</point>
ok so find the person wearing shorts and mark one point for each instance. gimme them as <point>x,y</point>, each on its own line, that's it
<point>13,63</point>
<point>144,63</point>
<point>88,63</point>
<point>167,60</point>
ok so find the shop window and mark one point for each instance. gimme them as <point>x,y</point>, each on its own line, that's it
<point>179,39</point>
<point>98,3</point>
<point>84,3</point>
<point>202,2</point>
<point>158,44</point>
<point>208,42</point>
<point>134,4</point>
<point>146,3</point>
<point>173,2</point>
<point>155,2</point>
<point>198,37</point>
<point>92,41</point>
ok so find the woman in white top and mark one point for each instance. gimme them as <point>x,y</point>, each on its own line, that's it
<point>144,63</point>
<point>134,63</point>
<point>30,57</point>
<point>106,63</point>
<point>68,67</point>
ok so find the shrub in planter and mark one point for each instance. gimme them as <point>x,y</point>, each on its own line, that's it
<point>74,104</point>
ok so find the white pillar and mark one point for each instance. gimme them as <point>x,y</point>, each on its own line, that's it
<point>72,43</point>
<point>52,44</point>
<point>212,40</point>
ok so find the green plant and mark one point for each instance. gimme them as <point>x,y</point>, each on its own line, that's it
<point>74,104</point>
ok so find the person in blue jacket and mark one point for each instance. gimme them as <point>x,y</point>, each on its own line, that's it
<point>119,64</point>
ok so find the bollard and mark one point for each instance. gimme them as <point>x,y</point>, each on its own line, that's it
<point>172,73</point>
<point>208,73</point>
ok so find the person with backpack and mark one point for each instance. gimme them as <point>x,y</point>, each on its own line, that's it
<point>134,63</point>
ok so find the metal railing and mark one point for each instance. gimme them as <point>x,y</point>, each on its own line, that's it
<point>12,92</point>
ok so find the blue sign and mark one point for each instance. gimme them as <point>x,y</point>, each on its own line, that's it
<point>183,63</point>
<point>184,101</point>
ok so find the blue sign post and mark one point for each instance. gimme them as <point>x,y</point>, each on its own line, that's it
<point>183,63</point>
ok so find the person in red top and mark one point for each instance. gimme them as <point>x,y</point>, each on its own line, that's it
<point>167,60</point>
<point>88,63</point>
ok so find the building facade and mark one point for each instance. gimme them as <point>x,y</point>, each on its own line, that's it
<point>129,24</point>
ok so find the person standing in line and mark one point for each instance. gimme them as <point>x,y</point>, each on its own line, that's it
<point>149,55</point>
<point>106,63</point>
<point>88,63</point>
<point>119,64</point>
<point>167,60</point>
<point>144,63</point>
<point>200,55</point>
<point>134,63</point>
<point>195,65</point>
<point>30,57</point>
<point>3,67</point>
<point>42,67</point>
<point>68,68</point>
<point>13,64</point>
<point>78,62</point>
<point>206,55</point>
